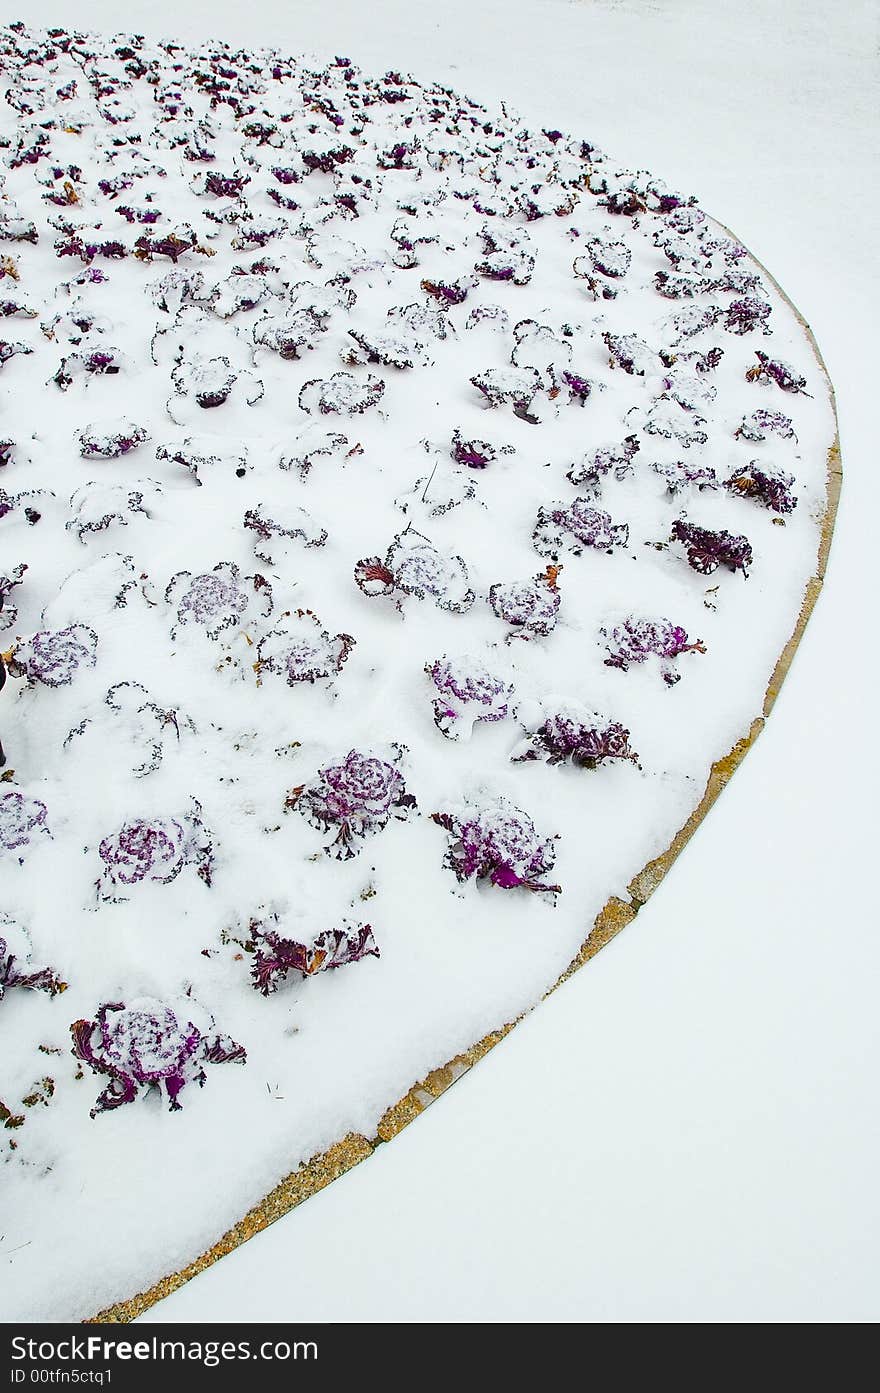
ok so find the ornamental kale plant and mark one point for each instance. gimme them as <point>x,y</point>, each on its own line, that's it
<point>111,439</point>
<point>414,566</point>
<point>95,507</point>
<point>746,314</point>
<point>8,611</point>
<point>273,536</point>
<point>530,607</point>
<point>575,528</point>
<point>276,956</point>
<point>54,659</point>
<point>491,839</point>
<point>637,640</point>
<point>768,486</point>
<point>219,600</point>
<point>787,378</point>
<point>707,550</point>
<point>149,1045</point>
<point>596,464</point>
<point>302,651</point>
<point>341,393</point>
<point>755,427</point>
<point>15,966</point>
<point>468,692</point>
<point>156,850</point>
<point>679,474</point>
<point>357,797</point>
<point>567,730</point>
<point>22,819</point>
<point>143,723</point>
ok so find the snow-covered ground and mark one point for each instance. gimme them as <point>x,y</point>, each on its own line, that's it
<point>683,1131</point>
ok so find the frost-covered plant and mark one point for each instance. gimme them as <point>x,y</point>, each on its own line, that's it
<point>111,439</point>
<point>777,370</point>
<point>506,255</point>
<point>21,820</point>
<point>16,969</point>
<point>707,550</point>
<point>156,849</point>
<point>390,350</point>
<point>608,258</point>
<point>54,658</point>
<point>176,288</point>
<point>146,1045</point>
<point>595,464</point>
<point>208,380</point>
<point>437,493</point>
<point>472,454</point>
<point>143,721</point>
<point>495,316</point>
<point>414,566</point>
<point>514,386</point>
<point>341,393</point>
<point>291,334</point>
<point>768,486</point>
<point>559,730</point>
<point>12,350</point>
<point>100,362</point>
<point>96,506</point>
<point>314,447</point>
<point>203,454</point>
<point>447,293</point>
<point>302,651</point>
<point>669,420</point>
<point>746,314</point>
<point>677,287</point>
<point>468,692</point>
<point>219,599</point>
<point>631,353</point>
<point>275,955</point>
<point>754,427</point>
<point>492,839</point>
<point>574,528</point>
<point>530,607</point>
<point>357,797</point>
<point>637,640</point>
<point>680,474</point>
<point>8,583</point>
<point>272,535</point>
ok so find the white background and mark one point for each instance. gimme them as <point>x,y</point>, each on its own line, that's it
<point>688,1130</point>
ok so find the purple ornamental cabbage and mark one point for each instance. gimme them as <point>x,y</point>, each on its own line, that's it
<point>8,611</point>
<point>787,378</point>
<point>341,393</point>
<point>472,454</point>
<point>54,659</point>
<point>111,440</point>
<point>414,566</point>
<point>707,550</point>
<point>218,600</point>
<point>15,966</point>
<point>275,956</point>
<point>21,819</point>
<point>679,474</point>
<point>494,840</point>
<point>530,607</point>
<point>156,850</point>
<point>571,732</point>
<point>358,797</point>
<point>303,651</point>
<point>575,528</point>
<point>610,458</point>
<point>747,314</point>
<point>754,428</point>
<point>147,1045</point>
<point>768,486</point>
<point>272,535</point>
<point>636,640</point>
<point>468,692</point>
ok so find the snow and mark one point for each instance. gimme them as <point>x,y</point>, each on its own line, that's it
<point>609,141</point>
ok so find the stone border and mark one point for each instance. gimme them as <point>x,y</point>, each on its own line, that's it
<point>322,1170</point>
